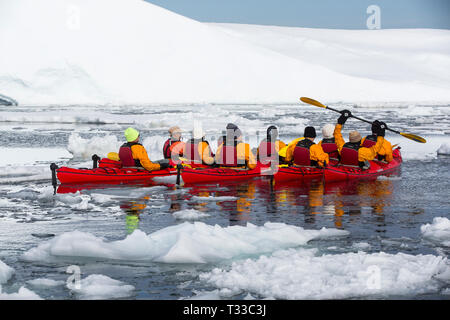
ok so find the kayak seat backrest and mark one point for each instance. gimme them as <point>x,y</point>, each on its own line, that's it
<point>302,156</point>
<point>349,155</point>
<point>126,156</point>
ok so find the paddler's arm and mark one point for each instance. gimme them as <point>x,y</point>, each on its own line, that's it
<point>140,154</point>
<point>367,154</point>
<point>387,148</point>
<point>338,139</point>
<point>205,151</point>
<point>317,154</point>
<point>244,152</point>
<point>290,149</point>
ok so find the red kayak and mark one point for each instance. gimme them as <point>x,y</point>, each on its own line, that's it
<point>288,173</point>
<point>202,175</point>
<point>108,174</point>
<point>377,168</point>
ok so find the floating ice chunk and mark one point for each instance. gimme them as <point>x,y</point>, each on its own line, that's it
<point>183,243</point>
<point>22,294</point>
<point>6,272</point>
<point>212,198</point>
<point>302,274</point>
<point>391,178</point>
<point>97,286</point>
<point>85,148</point>
<point>361,246</point>
<point>190,214</point>
<point>438,231</point>
<point>444,149</point>
<point>43,282</point>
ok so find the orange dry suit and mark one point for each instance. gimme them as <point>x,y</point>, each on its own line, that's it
<point>133,154</point>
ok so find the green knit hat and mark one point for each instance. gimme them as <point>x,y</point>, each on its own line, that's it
<point>131,134</point>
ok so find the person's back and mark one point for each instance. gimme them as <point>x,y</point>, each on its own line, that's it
<point>173,146</point>
<point>328,142</point>
<point>269,147</point>
<point>385,152</point>
<point>197,149</point>
<point>133,154</point>
<point>233,152</point>
<point>306,152</point>
<point>352,152</point>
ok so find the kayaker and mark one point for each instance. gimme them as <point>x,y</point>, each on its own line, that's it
<point>173,145</point>
<point>197,149</point>
<point>269,147</point>
<point>328,142</point>
<point>385,152</point>
<point>306,152</point>
<point>233,152</point>
<point>352,153</point>
<point>133,154</point>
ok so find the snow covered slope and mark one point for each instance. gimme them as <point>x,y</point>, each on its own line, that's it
<point>130,51</point>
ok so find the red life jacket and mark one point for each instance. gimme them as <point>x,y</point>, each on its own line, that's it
<point>126,156</point>
<point>329,146</point>
<point>349,154</point>
<point>370,141</point>
<point>191,151</point>
<point>302,156</point>
<point>267,151</point>
<point>228,156</point>
<point>168,147</point>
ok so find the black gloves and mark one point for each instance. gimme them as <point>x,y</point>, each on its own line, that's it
<point>379,128</point>
<point>345,114</point>
<point>164,165</point>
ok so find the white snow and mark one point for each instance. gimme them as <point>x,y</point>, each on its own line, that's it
<point>303,274</point>
<point>444,149</point>
<point>184,243</point>
<point>438,231</point>
<point>131,51</point>
<point>22,156</point>
<point>97,286</point>
<point>189,214</point>
<point>6,272</point>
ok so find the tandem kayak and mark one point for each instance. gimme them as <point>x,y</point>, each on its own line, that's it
<point>109,174</point>
<point>288,173</point>
<point>205,175</point>
<point>377,168</point>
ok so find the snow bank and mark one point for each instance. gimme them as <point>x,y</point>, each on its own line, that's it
<point>184,243</point>
<point>97,286</point>
<point>444,149</point>
<point>6,272</point>
<point>189,214</point>
<point>303,274</point>
<point>438,231</point>
<point>151,55</point>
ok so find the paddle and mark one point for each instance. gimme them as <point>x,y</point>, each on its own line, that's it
<point>406,135</point>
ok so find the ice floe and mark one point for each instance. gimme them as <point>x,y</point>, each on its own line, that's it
<point>184,243</point>
<point>97,286</point>
<point>438,231</point>
<point>189,214</point>
<point>305,274</point>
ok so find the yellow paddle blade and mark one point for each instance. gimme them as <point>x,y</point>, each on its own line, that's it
<point>413,137</point>
<point>313,102</point>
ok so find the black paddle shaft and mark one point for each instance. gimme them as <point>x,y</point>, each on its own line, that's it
<point>364,120</point>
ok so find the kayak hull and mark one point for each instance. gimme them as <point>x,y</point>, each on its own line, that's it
<point>205,175</point>
<point>297,173</point>
<point>109,174</point>
<point>377,168</point>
